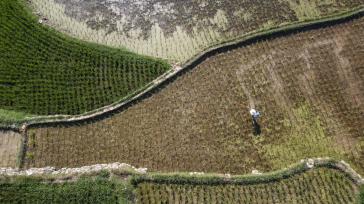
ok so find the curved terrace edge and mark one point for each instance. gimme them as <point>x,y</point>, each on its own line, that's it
<point>171,75</point>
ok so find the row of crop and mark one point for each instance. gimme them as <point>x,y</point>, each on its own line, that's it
<point>207,28</point>
<point>139,147</point>
<point>325,180</point>
<point>46,73</point>
<point>90,189</point>
<point>199,178</point>
<point>297,184</point>
<point>339,17</point>
<point>201,121</point>
<point>283,193</point>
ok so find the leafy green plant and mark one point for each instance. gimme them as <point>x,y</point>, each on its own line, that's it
<point>85,190</point>
<point>323,184</point>
<point>43,72</point>
<point>361,195</point>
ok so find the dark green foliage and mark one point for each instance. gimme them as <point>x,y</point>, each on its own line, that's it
<point>320,185</point>
<point>181,179</point>
<point>361,195</point>
<point>44,72</point>
<point>104,174</point>
<point>83,191</point>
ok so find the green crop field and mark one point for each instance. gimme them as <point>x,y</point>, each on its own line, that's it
<point>178,30</point>
<point>43,72</point>
<point>308,87</point>
<point>84,190</point>
<point>321,186</point>
<point>361,196</point>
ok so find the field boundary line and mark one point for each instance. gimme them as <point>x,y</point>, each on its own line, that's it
<point>198,178</point>
<point>140,175</point>
<point>176,71</point>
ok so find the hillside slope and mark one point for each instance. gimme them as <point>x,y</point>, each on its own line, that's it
<point>308,86</point>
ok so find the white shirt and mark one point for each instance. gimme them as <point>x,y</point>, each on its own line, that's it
<point>254,113</point>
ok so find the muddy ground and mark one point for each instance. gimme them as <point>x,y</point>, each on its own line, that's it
<point>10,144</point>
<point>177,30</point>
<point>308,87</point>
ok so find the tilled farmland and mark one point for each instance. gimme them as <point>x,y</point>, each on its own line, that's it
<point>308,87</point>
<point>10,145</point>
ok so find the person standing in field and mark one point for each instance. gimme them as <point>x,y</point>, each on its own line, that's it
<point>255,115</point>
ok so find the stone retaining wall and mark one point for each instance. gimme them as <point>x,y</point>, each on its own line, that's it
<point>306,164</point>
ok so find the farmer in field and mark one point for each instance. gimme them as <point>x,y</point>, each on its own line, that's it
<point>255,115</point>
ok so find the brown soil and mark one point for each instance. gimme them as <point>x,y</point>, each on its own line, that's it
<point>178,30</point>
<point>10,143</point>
<point>306,85</point>
<point>187,14</point>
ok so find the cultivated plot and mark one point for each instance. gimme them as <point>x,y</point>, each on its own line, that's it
<point>80,190</point>
<point>308,87</point>
<point>177,30</point>
<point>324,186</point>
<point>10,144</point>
<point>43,72</point>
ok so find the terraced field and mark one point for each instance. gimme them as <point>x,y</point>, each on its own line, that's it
<point>69,103</point>
<point>43,72</point>
<point>10,145</point>
<point>177,30</point>
<point>307,85</point>
<point>321,184</point>
<point>316,186</point>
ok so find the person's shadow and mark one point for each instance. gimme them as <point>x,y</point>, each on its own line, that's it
<point>256,127</point>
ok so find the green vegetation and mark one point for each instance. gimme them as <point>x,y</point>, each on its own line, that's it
<point>84,190</point>
<point>307,129</point>
<point>13,116</point>
<point>361,195</point>
<point>306,9</point>
<point>43,72</point>
<point>324,185</point>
